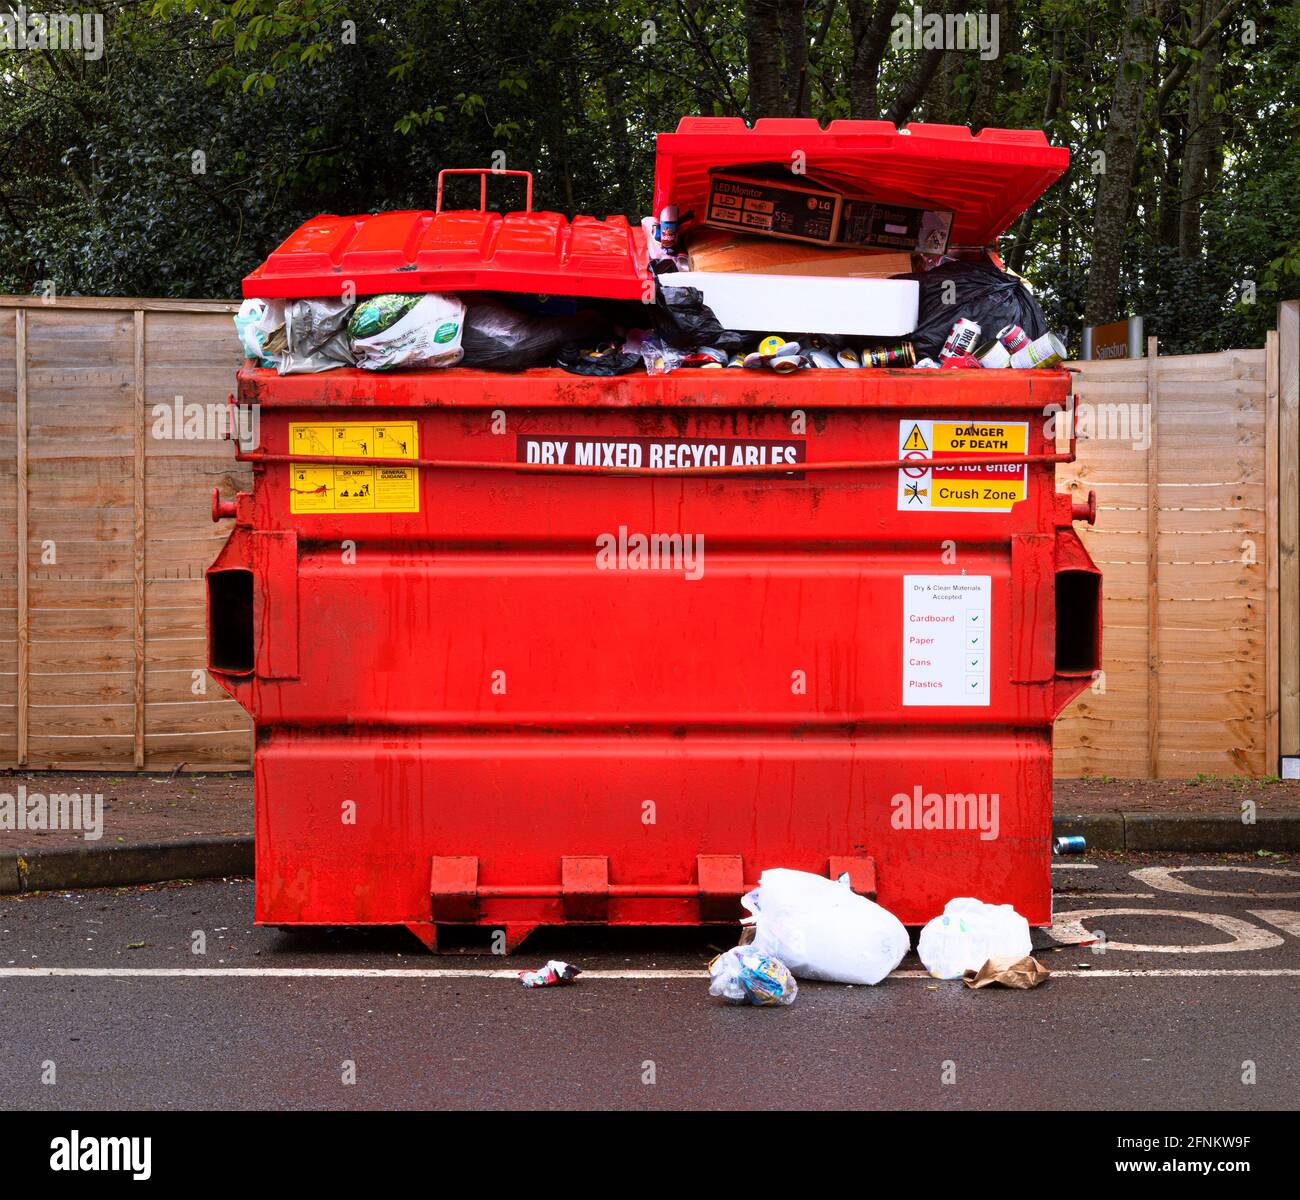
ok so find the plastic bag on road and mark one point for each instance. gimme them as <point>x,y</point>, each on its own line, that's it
<point>968,934</point>
<point>822,929</point>
<point>428,335</point>
<point>744,976</point>
<point>977,291</point>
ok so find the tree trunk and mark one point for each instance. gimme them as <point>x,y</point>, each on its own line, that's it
<point>869,30</point>
<point>989,83</point>
<point>1051,106</point>
<point>1203,142</point>
<point>794,40</point>
<point>1111,206</point>
<point>763,34</point>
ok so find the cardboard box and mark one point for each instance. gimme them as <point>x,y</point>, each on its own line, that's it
<point>802,208</point>
<point>716,251</point>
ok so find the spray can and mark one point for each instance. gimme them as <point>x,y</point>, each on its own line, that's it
<point>666,229</point>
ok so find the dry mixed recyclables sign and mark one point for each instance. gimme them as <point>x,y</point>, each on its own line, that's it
<point>340,488</point>
<point>657,453</point>
<point>977,486</point>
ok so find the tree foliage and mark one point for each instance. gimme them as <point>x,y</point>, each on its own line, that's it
<point>208,129</point>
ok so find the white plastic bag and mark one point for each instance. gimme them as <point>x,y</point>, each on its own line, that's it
<point>427,336</point>
<point>822,929</point>
<point>968,934</point>
<point>256,322</point>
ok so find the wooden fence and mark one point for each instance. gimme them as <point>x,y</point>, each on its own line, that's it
<point>105,533</point>
<point>111,440</point>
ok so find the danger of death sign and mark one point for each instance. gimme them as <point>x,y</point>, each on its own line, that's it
<point>982,485</point>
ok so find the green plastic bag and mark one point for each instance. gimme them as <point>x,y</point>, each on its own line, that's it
<point>376,313</point>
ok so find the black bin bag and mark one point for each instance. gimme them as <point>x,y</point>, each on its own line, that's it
<point>979,292</point>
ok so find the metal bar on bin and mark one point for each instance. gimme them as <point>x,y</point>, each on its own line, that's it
<point>619,891</point>
<point>883,464</point>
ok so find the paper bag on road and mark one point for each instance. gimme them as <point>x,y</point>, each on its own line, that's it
<point>1009,971</point>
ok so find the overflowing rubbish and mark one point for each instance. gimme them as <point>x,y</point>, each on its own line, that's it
<point>606,359</point>
<point>968,934</point>
<point>822,929</point>
<point>498,337</point>
<point>975,291</point>
<point>315,337</point>
<point>1007,971</point>
<point>376,313</point>
<point>554,974</point>
<point>743,975</point>
<point>773,200</point>
<point>825,257</point>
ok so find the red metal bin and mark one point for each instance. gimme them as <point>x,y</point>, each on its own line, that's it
<point>608,648</point>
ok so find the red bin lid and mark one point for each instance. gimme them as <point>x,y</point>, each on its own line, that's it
<point>987,179</point>
<point>460,250</point>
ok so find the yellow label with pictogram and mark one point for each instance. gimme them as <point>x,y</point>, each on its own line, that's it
<point>338,488</point>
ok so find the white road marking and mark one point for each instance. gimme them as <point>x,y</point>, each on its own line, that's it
<point>1074,866</point>
<point>1089,895</point>
<point>1069,927</point>
<point>1162,878</point>
<point>1286,920</point>
<point>495,973</point>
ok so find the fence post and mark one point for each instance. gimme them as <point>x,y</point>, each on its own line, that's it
<point>1153,563</point>
<point>1288,528</point>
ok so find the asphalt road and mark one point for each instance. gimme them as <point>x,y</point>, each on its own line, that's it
<point>1178,1012</point>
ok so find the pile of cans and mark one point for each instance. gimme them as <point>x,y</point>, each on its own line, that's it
<point>1011,346</point>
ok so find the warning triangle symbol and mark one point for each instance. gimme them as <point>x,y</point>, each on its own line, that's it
<point>914,440</point>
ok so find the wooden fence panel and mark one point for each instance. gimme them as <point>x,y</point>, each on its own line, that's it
<point>1177,450</point>
<point>123,433</point>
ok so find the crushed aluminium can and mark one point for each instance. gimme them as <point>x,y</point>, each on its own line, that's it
<point>554,974</point>
<point>1013,337</point>
<point>961,338</point>
<point>928,363</point>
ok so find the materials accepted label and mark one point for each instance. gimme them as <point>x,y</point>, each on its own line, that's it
<point>946,630</point>
<point>974,487</point>
<point>335,488</point>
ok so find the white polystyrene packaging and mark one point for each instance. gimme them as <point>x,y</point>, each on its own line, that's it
<point>822,929</point>
<point>427,336</point>
<point>968,934</point>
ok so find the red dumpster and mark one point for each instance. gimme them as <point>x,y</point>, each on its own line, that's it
<point>602,650</point>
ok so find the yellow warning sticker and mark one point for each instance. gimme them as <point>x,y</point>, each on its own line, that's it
<point>335,488</point>
<point>982,485</point>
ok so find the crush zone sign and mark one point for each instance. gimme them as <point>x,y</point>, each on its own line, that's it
<point>979,487</point>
